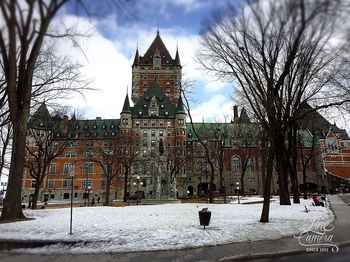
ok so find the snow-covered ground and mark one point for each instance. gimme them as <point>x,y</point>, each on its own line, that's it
<point>160,227</point>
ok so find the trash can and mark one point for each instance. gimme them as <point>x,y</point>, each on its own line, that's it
<point>204,217</point>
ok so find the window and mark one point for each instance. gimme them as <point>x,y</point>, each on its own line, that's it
<point>145,133</point>
<point>181,121</point>
<point>137,122</point>
<point>68,168</point>
<point>90,142</point>
<point>51,183</point>
<point>144,143</point>
<point>33,183</point>
<point>55,144</point>
<point>103,183</point>
<point>89,153</point>
<point>153,143</point>
<point>145,123</point>
<point>66,196</point>
<point>67,183</point>
<point>236,164</point>
<point>161,132</point>
<point>153,132</point>
<point>161,123</point>
<point>125,121</point>
<point>53,168</point>
<point>88,167</point>
<point>71,154</point>
<point>153,123</point>
<point>72,143</point>
<point>86,183</point>
<point>250,165</point>
<point>107,168</point>
<point>251,180</point>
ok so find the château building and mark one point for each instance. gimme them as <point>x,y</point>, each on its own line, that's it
<point>152,150</point>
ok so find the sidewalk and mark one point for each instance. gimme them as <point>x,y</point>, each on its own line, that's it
<point>230,252</point>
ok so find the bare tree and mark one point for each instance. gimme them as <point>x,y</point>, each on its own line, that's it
<point>45,142</point>
<point>280,55</point>
<point>104,153</point>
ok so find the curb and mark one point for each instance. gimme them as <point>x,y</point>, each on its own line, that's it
<point>8,244</point>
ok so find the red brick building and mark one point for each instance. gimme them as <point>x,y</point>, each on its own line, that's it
<point>160,152</point>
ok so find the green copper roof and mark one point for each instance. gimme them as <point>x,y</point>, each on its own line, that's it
<point>153,95</point>
<point>126,106</point>
<point>180,109</point>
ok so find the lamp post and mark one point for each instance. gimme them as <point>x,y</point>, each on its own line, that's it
<point>88,195</point>
<point>237,184</point>
<point>71,202</point>
<point>138,183</point>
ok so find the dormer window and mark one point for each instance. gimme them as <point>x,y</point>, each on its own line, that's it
<point>112,126</point>
<point>41,124</point>
<point>140,113</point>
<point>103,126</point>
<point>85,127</point>
<point>95,127</point>
<point>166,113</point>
<point>161,106</point>
<point>145,106</point>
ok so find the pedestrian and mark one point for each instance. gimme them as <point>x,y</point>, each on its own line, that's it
<point>98,199</point>
<point>93,201</point>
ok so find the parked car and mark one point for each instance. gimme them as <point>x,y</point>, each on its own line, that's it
<point>135,197</point>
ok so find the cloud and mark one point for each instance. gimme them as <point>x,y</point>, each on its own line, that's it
<point>107,59</point>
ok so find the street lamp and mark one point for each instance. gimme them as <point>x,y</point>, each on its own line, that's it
<point>88,194</point>
<point>237,184</point>
<point>71,202</point>
<point>138,183</point>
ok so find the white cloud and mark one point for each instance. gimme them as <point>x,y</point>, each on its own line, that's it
<point>217,108</point>
<point>108,62</point>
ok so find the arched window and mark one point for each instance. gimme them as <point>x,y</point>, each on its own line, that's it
<point>250,165</point>
<point>236,164</point>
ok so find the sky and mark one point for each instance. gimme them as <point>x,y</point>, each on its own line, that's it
<point>114,34</point>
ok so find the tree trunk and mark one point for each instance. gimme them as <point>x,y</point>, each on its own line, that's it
<point>267,185</point>
<point>108,187</point>
<point>12,209</point>
<point>241,189</point>
<point>304,183</point>
<point>35,195</point>
<point>211,184</point>
<point>282,171</point>
<point>126,174</point>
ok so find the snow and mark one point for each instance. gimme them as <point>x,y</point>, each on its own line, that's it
<point>161,227</point>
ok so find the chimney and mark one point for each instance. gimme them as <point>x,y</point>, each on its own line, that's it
<point>65,124</point>
<point>235,114</point>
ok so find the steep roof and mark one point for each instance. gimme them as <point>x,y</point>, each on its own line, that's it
<point>165,108</point>
<point>157,45</point>
<point>315,121</point>
<point>137,57</point>
<point>41,118</point>
<point>126,106</point>
<point>180,109</point>
<point>177,59</point>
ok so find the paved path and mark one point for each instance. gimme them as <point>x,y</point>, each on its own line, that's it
<point>237,251</point>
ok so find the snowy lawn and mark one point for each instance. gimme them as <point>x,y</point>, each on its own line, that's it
<point>160,227</point>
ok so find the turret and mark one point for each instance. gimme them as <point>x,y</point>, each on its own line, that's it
<point>125,115</point>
